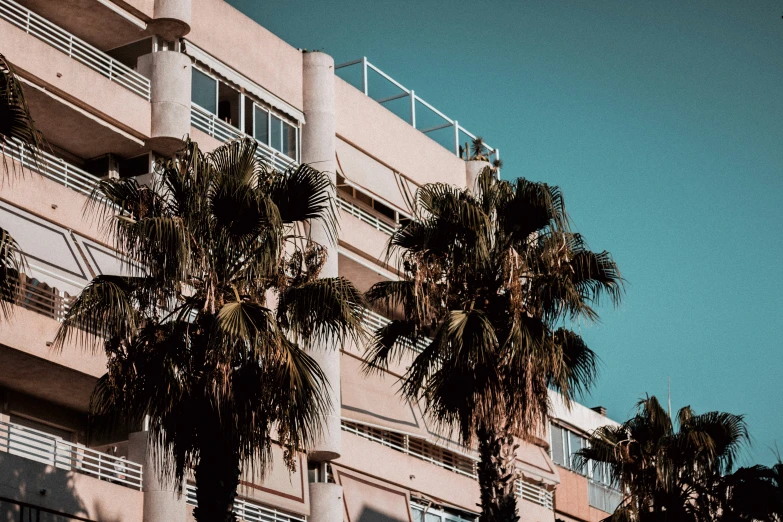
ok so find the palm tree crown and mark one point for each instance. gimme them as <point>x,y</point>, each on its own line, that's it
<point>492,275</point>
<point>669,468</point>
<point>207,332</point>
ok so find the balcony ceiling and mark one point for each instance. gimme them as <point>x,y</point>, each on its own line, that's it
<point>45,380</point>
<point>74,131</point>
<point>89,20</point>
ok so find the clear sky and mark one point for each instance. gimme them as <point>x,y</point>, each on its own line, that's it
<point>663,124</point>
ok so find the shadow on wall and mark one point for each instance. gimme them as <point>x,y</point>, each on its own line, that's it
<point>32,491</point>
<point>370,515</point>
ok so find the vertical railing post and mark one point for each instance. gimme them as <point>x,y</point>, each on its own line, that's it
<point>27,23</point>
<point>456,137</point>
<point>413,108</point>
<point>365,84</point>
<point>70,46</point>
<point>111,63</point>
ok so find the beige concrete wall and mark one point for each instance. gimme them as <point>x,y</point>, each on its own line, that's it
<point>531,512</point>
<point>277,486</point>
<point>362,236</point>
<point>408,472</point>
<point>29,332</point>
<point>571,495</point>
<point>49,200</point>
<point>49,67</point>
<point>373,129</point>
<point>67,492</point>
<point>248,48</point>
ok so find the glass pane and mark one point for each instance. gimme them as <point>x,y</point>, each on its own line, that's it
<point>204,91</point>
<point>558,453</point>
<point>261,132</point>
<point>429,517</point>
<point>417,514</point>
<point>276,138</point>
<point>576,445</point>
<point>289,140</point>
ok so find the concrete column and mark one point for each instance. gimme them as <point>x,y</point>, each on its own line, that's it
<point>318,151</point>
<point>472,169</point>
<point>171,18</point>
<point>161,502</point>
<point>326,502</point>
<point>170,78</point>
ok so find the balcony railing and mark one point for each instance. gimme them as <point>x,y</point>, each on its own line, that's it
<point>52,167</point>
<point>374,221</point>
<point>603,497</point>
<point>74,47</point>
<point>373,321</point>
<point>444,122</point>
<point>414,447</point>
<point>47,449</point>
<point>43,299</point>
<point>249,510</point>
<point>535,493</point>
<point>207,122</point>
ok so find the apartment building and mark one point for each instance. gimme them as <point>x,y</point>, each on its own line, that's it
<point>115,85</point>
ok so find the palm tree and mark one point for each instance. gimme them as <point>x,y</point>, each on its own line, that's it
<point>492,276</point>
<point>206,334</point>
<point>670,469</point>
<point>754,494</point>
<point>15,124</point>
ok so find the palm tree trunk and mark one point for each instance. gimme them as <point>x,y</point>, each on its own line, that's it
<point>217,476</point>
<point>496,476</point>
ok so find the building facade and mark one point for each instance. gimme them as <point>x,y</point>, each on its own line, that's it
<point>115,85</point>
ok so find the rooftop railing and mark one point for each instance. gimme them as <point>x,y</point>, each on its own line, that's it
<point>207,122</point>
<point>249,510</point>
<point>47,449</point>
<point>415,102</point>
<point>74,47</point>
<point>357,212</point>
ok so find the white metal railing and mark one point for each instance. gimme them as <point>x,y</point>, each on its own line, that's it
<point>47,449</point>
<point>249,510</point>
<point>363,215</point>
<point>415,100</point>
<point>435,515</point>
<point>535,493</point>
<point>418,448</point>
<point>74,47</point>
<point>207,122</point>
<point>51,167</point>
<point>374,321</point>
<point>603,497</point>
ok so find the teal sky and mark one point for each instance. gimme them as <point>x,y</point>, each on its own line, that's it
<point>663,124</point>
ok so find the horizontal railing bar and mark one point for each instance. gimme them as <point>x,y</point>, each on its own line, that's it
<point>346,64</point>
<point>395,97</point>
<point>437,127</point>
<point>389,78</point>
<point>433,109</point>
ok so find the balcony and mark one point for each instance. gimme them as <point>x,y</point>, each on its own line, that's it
<point>75,48</point>
<point>249,510</point>
<point>209,123</point>
<point>34,445</point>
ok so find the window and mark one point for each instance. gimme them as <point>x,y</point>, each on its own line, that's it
<point>289,140</point>
<point>261,124</point>
<point>422,513</point>
<point>204,90</point>
<point>565,445</point>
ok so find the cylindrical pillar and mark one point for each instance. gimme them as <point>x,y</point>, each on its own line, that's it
<point>472,169</point>
<point>318,151</point>
<point>171,18</point>
<point>169,73</point>
<point>162,503</point>
<point>326,502</point>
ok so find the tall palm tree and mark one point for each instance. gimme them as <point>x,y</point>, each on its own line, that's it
<point>206,334</point>
<point>492,275</point>
<point>15,124</point>
<point>670,468</point>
